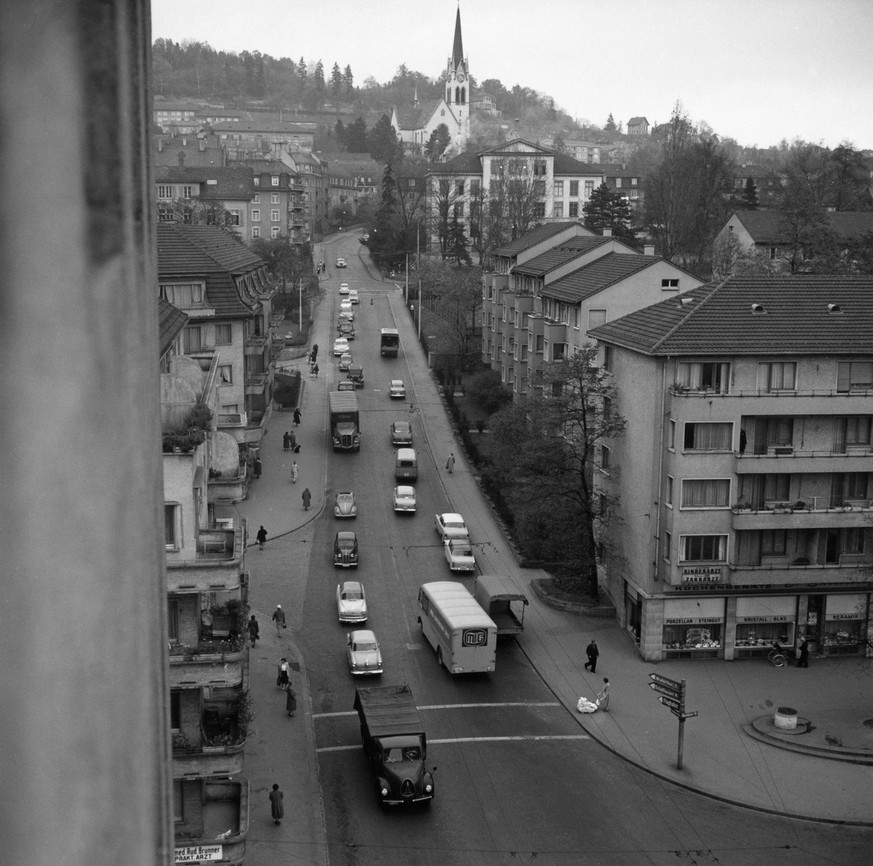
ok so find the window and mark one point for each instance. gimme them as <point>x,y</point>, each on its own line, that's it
<point>777,376</point>
<point>459,187</point>
<point>596,318</point>
<point>274,215</point>
<point>703,548</point>
<point>165,191</point>
<point>559,189</point>
<point>539,209</point>
<point>854,430</point>
<point>183,295</point>
<point>539,343</point>
<point>776,431</point>
<point>605,458</point>
<point>618,183</point>
<point>774,542</point>
<point>708,436</point>
<point>256,231</point>
<point>607,358</point>
<point>274,231</point>
<point>256,215</point>
<point>171,527</point>
<point>178,801</point>
<point>223,335</point>
<point>475,186</point>
<point>175,708</point>
<point>187,191</point>
<point>706,492</point>
<point>668,491</point>
<point>274,180</point>
<point>854,376</point>
<point>704,376</point>
<point>539,188</point>
<point>191,339</point>
<point>539,167</point>
<point>772,253</point>
<point>669,284</point>
<point>558,209</point>
<point>668,546</point>
<point>589,188</point>
<point>257,198</point>
<point>671,434</point>
<point>574,188</point>
<point>459,209</point>
<point>634,181</point>
<point>573,209</point>
<point>225,374</point>
<point>274,198</point>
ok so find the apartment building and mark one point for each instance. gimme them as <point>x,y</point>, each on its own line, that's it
<point>545,290</point>
<point>224,290</point>
<point>207,608</point>
<point>745,475</point>
<point>278,206</point>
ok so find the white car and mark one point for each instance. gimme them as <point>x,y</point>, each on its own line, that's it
<point>404,498</point>
<point>341,347</point>
<point>450,525</point>
<point>351,602</point>
<point>341,263</point>
<point>353,296</point>
<point>363,653</point>
<point>345,305</point>
<point>459,554</point>
<point>397,390</point>
<point>345,362</point>
<point>344,288</point>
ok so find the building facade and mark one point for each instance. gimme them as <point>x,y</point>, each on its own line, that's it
<point>746,470</point>
<point>278,205</point>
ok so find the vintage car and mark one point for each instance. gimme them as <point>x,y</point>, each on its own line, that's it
<point>344,504</point>
<point>459,554</point>
<point>344,288</point>
<point>404,498</point>
<point>351,602</point>
<point>341,263</point>
<point>397,390</point>
<point>345,362</point>
<point>340,346</point>
<point>363,653</point>
<point>401,433</point>
<point>345,550</point>
<point>450,525</point>
<point>353,296</point>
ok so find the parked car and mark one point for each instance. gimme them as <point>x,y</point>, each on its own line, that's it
<point>404,498</point>
<point>450,525</point>
<point>351,602</point>
<point>345,305</point>
<point>459,554</point>
<point>401,433</point>
<point>356,374</point>
<point>397,390</point>
<point>346,316</point>
<point>345,385</point>
<point>345,549</point>
<point>363,653</point>
<point>345,362</point>
<point>341,263</point>
<point>353,296</point>
<point>341,346</point>
<point>346,329</point>
<point>344,288</point>
<point>344,505</point>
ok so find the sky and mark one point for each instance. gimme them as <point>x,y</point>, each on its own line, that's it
<point>758,71</point>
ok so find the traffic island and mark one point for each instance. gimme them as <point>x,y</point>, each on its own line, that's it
<point>804,737</point>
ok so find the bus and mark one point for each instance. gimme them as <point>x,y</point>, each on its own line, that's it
<point>463,635</point>
<point>389,341</point>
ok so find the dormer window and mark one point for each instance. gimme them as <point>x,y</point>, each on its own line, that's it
<point>274,180</point>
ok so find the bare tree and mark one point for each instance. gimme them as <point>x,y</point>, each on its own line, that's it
<point>513,195</point>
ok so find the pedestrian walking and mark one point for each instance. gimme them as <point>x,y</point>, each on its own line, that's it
<point>315,371</point>
<point>593,654</point>
<point>282,678</point>
<point>258,467</point>
<point>314,351</point>
<point>286,441</point>
<point>290,700</point>
<point>803,659</point>
<point>603,696</point>
<point>278,617</point>
<point>262,537</point>
<point>294,471</point>
<point>277,808</point>
<point>307,499</point>
<point>296,417</point>
<point>450,463</point>
<point>292,441</point>
<point>254,630</point>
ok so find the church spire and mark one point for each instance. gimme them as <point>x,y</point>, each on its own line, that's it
<point>458,46</point>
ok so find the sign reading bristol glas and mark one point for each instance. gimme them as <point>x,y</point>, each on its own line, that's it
<point>199,854</point>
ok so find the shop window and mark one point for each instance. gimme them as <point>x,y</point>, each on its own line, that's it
<point>764,622</point>
<point>844,623</point>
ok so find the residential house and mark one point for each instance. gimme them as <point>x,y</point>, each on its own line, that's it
<point>278,205</point>
<point>583,150</point>
<point>768,186</point>
<point>545,293</point>
<point>207,602</point>
<point>746,469</point>
<point>176,116</point>
<point>229,187</point>
<point>187,149</point>
<point>252,139</point>
<point>484,103</point>
<point>313,175</point>
<point>638,126</point>
<point>342,196</point>
<point>224,290</point>
<point>627,183</point>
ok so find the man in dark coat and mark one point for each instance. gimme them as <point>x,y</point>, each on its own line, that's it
<point>803,661</point>
<point>592,652</point>
<point>261,537</point>
<point>254,630</point>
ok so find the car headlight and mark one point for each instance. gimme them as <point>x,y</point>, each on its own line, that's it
<point>428,788</point>
<point>384,791</point>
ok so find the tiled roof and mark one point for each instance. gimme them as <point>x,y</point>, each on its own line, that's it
<point>256,126</point>
<point>217,182</point>
<point>531,238</point>
<point>415,117</point>
<point>720,319</point>
<point>767,226</point>
<point>171,320</point>
<point>210,253</point>
<point>599,275</point>
<point>566,165</point>
<point>560,255</point>
<point>464,163</point>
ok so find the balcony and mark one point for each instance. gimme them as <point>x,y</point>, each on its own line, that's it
<point>210,664</point>
<point>224,825</point>
<point>219,742</point>
<point>786,458</point>
<point>257,383</point>
<point>805,402</point>
<point>216,565</point>
<point>256,344</point>
<point>780,572</point>
<point>812,513</point>
<point>228,488</point>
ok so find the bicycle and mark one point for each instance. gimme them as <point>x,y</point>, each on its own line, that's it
<point>777,658</point>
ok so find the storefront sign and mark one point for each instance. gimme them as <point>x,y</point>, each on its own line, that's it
<point>773,618</point>
<point>693,620</point>
<point>701,574</point>
<point>199,854</point>
<point>833,617</point>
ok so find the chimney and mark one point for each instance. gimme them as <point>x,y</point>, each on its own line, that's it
<point>607,233</point>
<point>648,249</point>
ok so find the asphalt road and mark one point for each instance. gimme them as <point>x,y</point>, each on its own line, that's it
<point>517,780</point>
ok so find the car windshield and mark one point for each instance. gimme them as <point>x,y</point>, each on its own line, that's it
<point>396,754</point>
<point>352,595</point>
<point>366,646</point>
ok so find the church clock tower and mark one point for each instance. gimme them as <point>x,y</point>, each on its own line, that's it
<point>458,85</point>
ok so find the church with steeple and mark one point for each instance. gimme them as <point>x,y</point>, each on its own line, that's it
<point>415,124</point>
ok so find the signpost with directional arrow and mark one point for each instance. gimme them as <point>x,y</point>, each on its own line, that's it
<point>672,695</point>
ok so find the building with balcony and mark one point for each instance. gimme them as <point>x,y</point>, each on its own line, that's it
<point>548,288</point>
<point>277,205</point>
<point>312,174</point>
<point>745,482</point>
<point>207,605</point>
<point>224,290</point>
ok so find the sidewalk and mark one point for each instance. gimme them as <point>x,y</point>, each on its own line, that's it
<point>721,757</point>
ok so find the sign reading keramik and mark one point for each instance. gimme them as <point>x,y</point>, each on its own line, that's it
<point>199,854</point>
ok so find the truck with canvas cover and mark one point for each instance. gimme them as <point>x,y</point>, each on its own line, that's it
<point>395,743</point>
<point>502,599</point>
<point>345,423</point>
